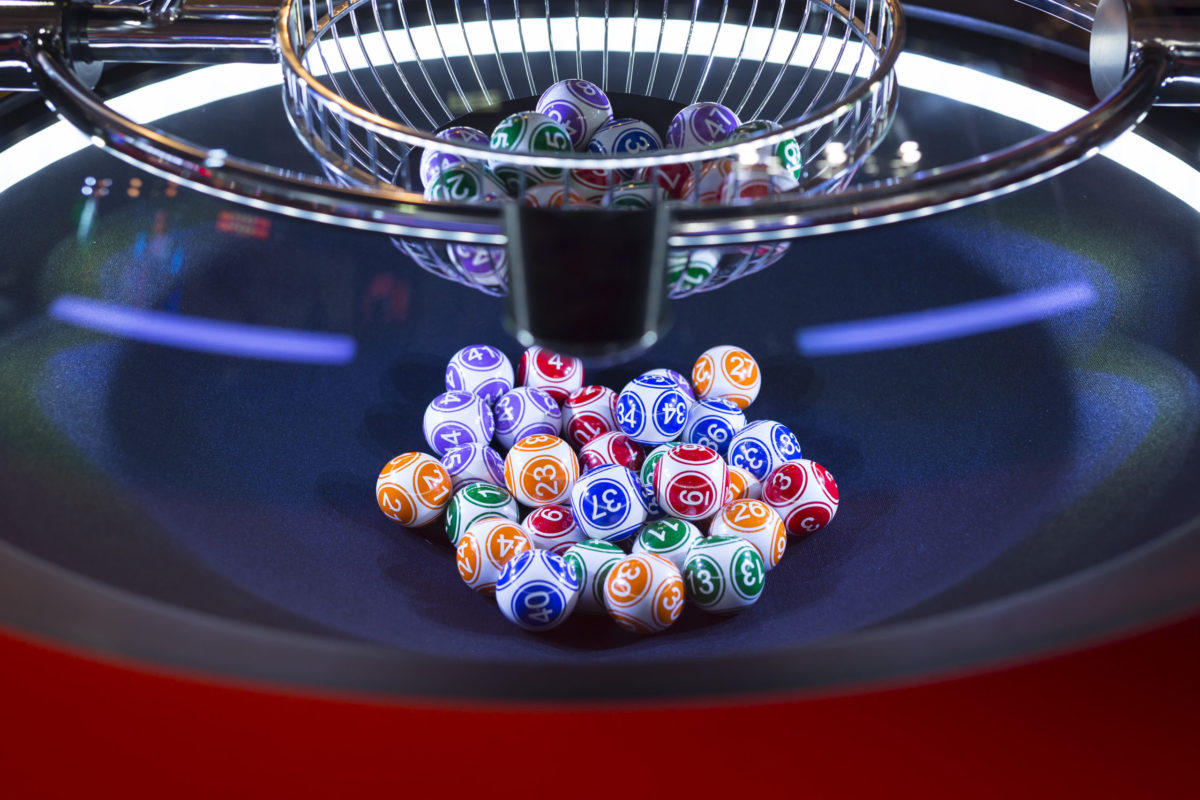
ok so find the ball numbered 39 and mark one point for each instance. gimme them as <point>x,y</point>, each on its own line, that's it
<point>724,574</point>
<point>524,412</point>
<point>553,528</point>
<point>590,562</point>
<point>804,494</point>
<point>690,482</point>
<point>727,372</point>
<point>670,538</point>
<point>484,550</point>
<point>651,410</point>
<point>607,503</point>
<point>413,489</point>
<point>762,446</point>
<point>541,470</point>
<point>457,418</point>
<point>553,373</point>
<point>473,503</point>
<point>644,593</point>
<point>481,370</point>
<point>537,590</point>
<point>588,412</point>
<point>757,523</point>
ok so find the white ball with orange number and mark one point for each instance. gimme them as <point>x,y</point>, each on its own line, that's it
<point>413,489</point>
<point>757,523</point>
<point>644,593</point>
<point>541,470</point>
<point>742,485</point>
<point>485,548</point>
<point>555,374</point>
<point>729,373</point>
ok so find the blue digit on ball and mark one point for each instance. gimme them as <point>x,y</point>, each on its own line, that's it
<point>537,590</point>
<point>608,503</point>
<point>652,410</point>
<point>762,446</point>
<point>713,423</point>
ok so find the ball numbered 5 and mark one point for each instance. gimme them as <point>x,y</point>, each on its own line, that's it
<point>713,423</point>
<point>607,503</point>
<point>537,590</point>
<point>481,370</point>
<point>651,410</point>
<point>590,562</point>
<point>553,528</point>
<point>556,375</point>
<point>670,538</point>
<point>729,373</point>
<point>472,503</point>
<point>644,593</point>
<point>527,132</point>
<point>762,446</point>
<point>588,412</point>
<point>525,412</point>
<point>541,470</point>
<point>757,523</point>
<point>485,548</point>
<point>804,494</point>
<point>611,448</point>
<point>457,418</point>
<point>724,574</point>
<point>690,482</point>
<point>473,463</point>
<point>579,106</point>
<point>413,489</point>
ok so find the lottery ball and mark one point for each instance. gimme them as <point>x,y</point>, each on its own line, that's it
<point>541,470</point>
<point>591,185</point>
<point>537,590</point>
<point>804,494</point>
<point>412,489</point>
<point>473,463</point>
<point>481,370</point>
<point>647,472</point>
<point>690,482</point>
<point>670,538</point>
<point>671,178</point>
<point>724,574</point>
<point>590,562</point>
<point>711,182</point>
<point>472,503</point>
<point>782,160</point>
<point>701,124</point>
<point>729,373</point>
<point>485,548</point>
<point>579,106</point>
<point>461,183</point>
<point>527,132</point>
<point>611,448</point>
<point>625,137</point>
<point>742,485</point>
<point>757,523</point>
<point>588,412</point>
<point>556,375</point>
<point>524,412</point>
<point>654,511</point>
<point>651,410</point>
<point>644,593</point>
<point>713,423</point>
<point>762,446</point>
<point>457,418</point>
<point>552,528</point>
<point>678,380</point>
<point>552,195</point>
<point>433,161</point>
<point>607,503</point>
<point>690,270</point>
<point>480,265</point>
<point>633,196</point>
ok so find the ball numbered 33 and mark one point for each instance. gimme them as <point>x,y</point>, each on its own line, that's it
<point>457,418</point>
<point>762,446</point>
<point>724,574</point>
<point>553,373</point>
<point>644,593</point>
<point>588,412</point>
<point>757,523</point>
<point>651,410</point>
<point>413,489</point>
<point>485,548</point>
<point>690,482</point>
<point>607,503</point>
<point>473,503</point>
<point>537,590</point>
<point>590,562</point>
<point>524,412</point>
<point>804,494</point>
<point>553,528</point>
<point>729,373</point>
<point>481,370</point>
<point>541,470</point>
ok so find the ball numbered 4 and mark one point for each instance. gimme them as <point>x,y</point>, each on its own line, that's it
<point>457,418</point>
<point>537,590</point>
<point>607,503</point>
<point>485,548</point>
<point>742,485</point>
<point>556,375</point>
<point>804,494</point>
<point>481,370</point>
<point>541,470</point>
<point>525,412</point>
<point>413,489</point>
<point>670,538</point>
<point>473,463</point>
<point>590,562</point>
<point>579,106</point>
<point>651,410</point>
<point>729,373</point>
<point>713,423</point>
<point>762,446</point>
<point>588,412</point>
<point>690,482</point>
<point>553,528</point>
<point>611,448</point>
<point>644,593</point>
<point>757,523</point>
<point>701,124</point>
<point>473,503</point>
<point>724,574</point>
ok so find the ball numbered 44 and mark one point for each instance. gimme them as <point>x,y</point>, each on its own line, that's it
<point>481,370</point>
<point>713,423</point>
<point>644,593</point>
<point>555,374</point>
<point>590,562</point>
<point>588,412</point>
<point>670,538</point>
<point>724,574</point>
<point>804,494</point>
<point>537,590</point>
<point>485,548</point>
<point>524,412</point>
<point>690,482</point>
<point>413,489</point>
<point>729,373</point>
<point>762,446</point>
<point>541,470</point>
<point>553,528</point>
<point>607,503</point>
<point>457,418</point>
<point>651,410</point>
<point>473,503</point>
<point>757,523</point>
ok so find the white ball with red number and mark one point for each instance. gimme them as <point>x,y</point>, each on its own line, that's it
<point>556,375</point>
<point>588,412</point>
<point>485,548</point>
<point>523,412</point>
<point>413,489</point>
<point>644,593</point>
<point>804,494</point>
<point>552,528</point>
<point>729,373</point>
<point>757,523</point>
<point>742,485</point>
<point>690,482</point>
<point>540,470</point>
<point>611,448</point>
<point>473,463</point>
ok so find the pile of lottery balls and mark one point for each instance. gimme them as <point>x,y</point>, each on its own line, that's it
<point>574,115</point>
<point>621,503</point>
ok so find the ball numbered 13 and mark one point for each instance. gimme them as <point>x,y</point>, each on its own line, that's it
<point>541,470</point>
<point>724,574</point>
<point>481,370</point>
<point>590,562</point>
<point>804,494</point>
<point>537,591</point>
<point>644,593</point>
<point>473,503</point>
<point>484,550</point>
<point>651,410</point>
<point>412,489</point>
<point>727,372</point>
<point>607,503</point>
<point>757,523</point>
<point>690,482</point>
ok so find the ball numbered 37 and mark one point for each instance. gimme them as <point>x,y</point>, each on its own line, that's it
<point>412,489</point>
<point>541,470</point>
<point>607,503</point>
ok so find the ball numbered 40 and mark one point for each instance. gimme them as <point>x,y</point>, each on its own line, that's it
<point>536,590</point>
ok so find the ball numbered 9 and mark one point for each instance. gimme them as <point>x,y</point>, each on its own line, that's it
<point>537,590</point>
<point>541,470</point>
<point>457,418</point>
<point>555,374</point>
<point>758,524</point>
<point>690,482</point>
<point>590,562</point>
<point>553,528</point>
<point>651,410</point>
<point>473,463</point>
<point>762,446</point>
<point>724,574</point>
<point>670,538</point>
<point>485,548</point>
<point>644,593</point>
<point>525,412</point>
<point>473,503</point>
<point>729,373</point>
<point>481,370</point>
<point>804,494</point>
<point>588,412</point>
<point>713,423</point>
<point>412,489</point>
<point>607,503</point>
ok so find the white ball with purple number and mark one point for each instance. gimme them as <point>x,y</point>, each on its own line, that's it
<point>762,446</point>
<point>701,124</point>
<point>433,161</point>
<point>473,463</point>
<point>523,412</point>
<point>625,137</point>
<point>481,370</point>
<point>678,380</point>
<point>579,106</point>
<point>480,264</point>
<point>652,410</point>
<point>537,590</point>
<point>457,418</point>
<point>607,503</point>
<point>713,423</point>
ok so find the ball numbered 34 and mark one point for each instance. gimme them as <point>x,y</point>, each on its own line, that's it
<point>644,593</point>
<point>555,374</point>
<point>541,470</point>
<point>484,550</point>
<point>690,482</point>
<point>457,418</point>
<point>590,562</point>
<point>537,590</point>
<point>413,489</point>
<point>724,574</point>
<point>804,494</point>
<point>651,410</point>
<point>729,373</point>
<point>481,370</point>
<point>757,523</point>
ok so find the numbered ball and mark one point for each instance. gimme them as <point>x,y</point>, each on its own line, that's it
<point>607,503</point>
<point>742,485</point>
<point>485,548</point>
<point>590,562</point>
<point>579,106</point>
<point>690,270</point>
<point>465,183</point>
<point>727,372</point>
<point>644,593</point>
<point>481,370</point>
<point>553,528</point>
<point>480,265</point>
<point>556,375</point>
<point>588,412</point>
<point>654,511</point>
<point>611,448</point>
<point>781,160</point>
<point>762,446</point>
<point>553,195</point>
<point>472,503</point>
<point>648,466</point>
<point>457,418</point>
<point>527,132</point>
<point>711,182</point>
<point>690,482</point>
<point>633,196</point>
<point>651,410</point>
<point>537,590</point>
<point>804,494</point>
<point>525,412</point>
<point>724,574</point>
<point>713,423</point>
<point>434,161</point>
<point>473,463</point>
<point>678,380</point>
<point>671,178</point>
<point>625,137</point>
<point>541,470</point>
<point>412,489</point>
<point>701,124</point>
<point>757,523</point>
<point>670,538</point>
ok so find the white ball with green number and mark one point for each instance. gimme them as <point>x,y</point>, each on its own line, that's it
<point>670,538</point>
<point>724,574</point>
<point>782,161</point>
<point>527,132</point>
<point>590,562</point>
<point>473,503</point>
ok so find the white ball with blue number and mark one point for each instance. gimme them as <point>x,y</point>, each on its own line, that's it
<point>457,418</point>
<point>713,423</point>
<point>525,411</point>
<point>537,590</point>
<point>481,370</point>
<point>762,446</point>
<point>652,410</point>
<point>608,503</point>
<point>473,463</point>
<point>625,137</point>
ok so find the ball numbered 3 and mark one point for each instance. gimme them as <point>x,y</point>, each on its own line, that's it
<point>804,494</point>
<point>473,503</point>
<point>611,448</point>
<point>762,446</point>
<point>644,593</point>
<point>555,374</point>
<point>724,574</point>
<point>742,485</point>
<point>690,482</point>
<point>607,503</point>
<point>541,470</point>
<point>553,528</point>
<point>713,423</point>
<point>413,489</point>
<point>651,410</point>
<point>590,562</point>
<point>525,412</point>
<point>625,137</point>
<point>727,372</point>
<point>481,370</point>
<point>457,418</point>
<point>485,548</point>
<point>757,523</point>
<point>670,538</point>
<point>588,412</point>
<point>537,590</point>
<point>473,463</point>
<point>579,106</point>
